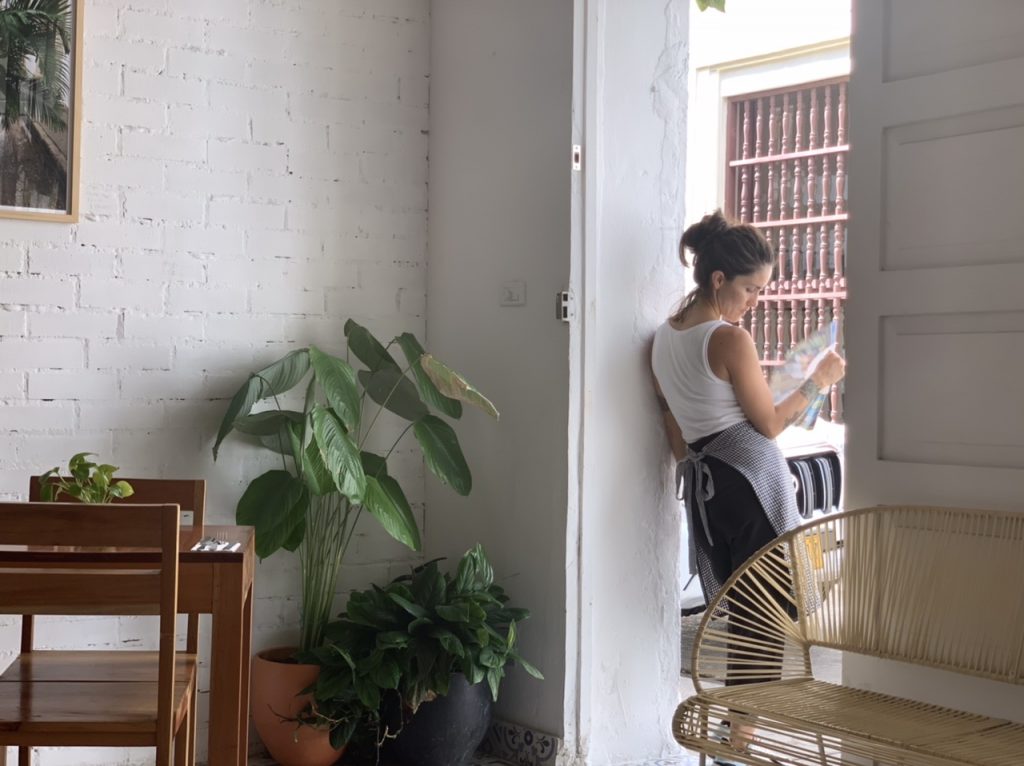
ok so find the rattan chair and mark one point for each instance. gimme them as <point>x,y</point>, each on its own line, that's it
<point>936,587</point>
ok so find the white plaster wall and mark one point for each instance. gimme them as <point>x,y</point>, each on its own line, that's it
<point>254,172</point>
<point>751,29</point>
<point>635,123</point>
<point>501,78</point>
<point>753,47</point>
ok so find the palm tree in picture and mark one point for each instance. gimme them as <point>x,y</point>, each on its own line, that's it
<point>35,69</point>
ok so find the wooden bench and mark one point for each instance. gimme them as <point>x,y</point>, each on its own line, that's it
<point>936,587</point>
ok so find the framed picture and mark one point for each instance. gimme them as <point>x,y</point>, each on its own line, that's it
<point>40,108</point>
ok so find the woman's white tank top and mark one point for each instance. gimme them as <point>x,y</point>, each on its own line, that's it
<point>702,403</point>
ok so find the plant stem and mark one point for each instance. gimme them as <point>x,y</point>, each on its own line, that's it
<point>321,555</point>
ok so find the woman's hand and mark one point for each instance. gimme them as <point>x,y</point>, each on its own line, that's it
<point>829,370</point>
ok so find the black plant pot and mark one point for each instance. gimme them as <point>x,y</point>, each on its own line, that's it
<point>448,730</point>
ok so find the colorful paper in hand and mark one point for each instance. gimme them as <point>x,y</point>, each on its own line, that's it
<point>790,375</point>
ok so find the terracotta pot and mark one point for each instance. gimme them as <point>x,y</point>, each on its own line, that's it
<point>276,683</point>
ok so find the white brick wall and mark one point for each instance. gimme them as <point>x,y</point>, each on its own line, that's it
<point>253,173</point>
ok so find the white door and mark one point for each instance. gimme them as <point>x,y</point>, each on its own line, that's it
<point>935,325</point>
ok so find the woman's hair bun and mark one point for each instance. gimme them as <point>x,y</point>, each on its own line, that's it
<point>706,229</point>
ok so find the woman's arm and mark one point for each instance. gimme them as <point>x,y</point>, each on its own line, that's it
<point>672,430</point>
<point>732,351</point>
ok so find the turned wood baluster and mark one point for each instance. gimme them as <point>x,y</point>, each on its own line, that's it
<point>785,200</point>
<point>773,131</point>
<point>745,171</point>
<point>812,143</point>
<point>838,245</point>
<point>826,161</point>
<point>780,328</point>
<point>758,151</point>
<point>824,250</point>
<point>794,322</point>
<point>798,282</point>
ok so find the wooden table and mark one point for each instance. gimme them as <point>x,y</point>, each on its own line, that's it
<point>218,584</point>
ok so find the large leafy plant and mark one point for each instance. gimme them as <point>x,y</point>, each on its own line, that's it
<point>408,637</point>
<point>327,476</point>
<point>87,482</point>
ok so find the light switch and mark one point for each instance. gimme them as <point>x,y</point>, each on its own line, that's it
<point>513,294</point>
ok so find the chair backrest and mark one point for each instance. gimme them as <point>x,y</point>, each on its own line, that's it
<point>929,586</point>
<point>923,585</point>
<point>112,559</point>
<point>187,494</point>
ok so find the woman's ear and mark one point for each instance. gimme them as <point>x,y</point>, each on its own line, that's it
<point>717,279</point>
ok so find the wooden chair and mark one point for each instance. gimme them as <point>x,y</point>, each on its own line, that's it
<point>934,587</point>
<point>187,494</point>
<point>114,560</point>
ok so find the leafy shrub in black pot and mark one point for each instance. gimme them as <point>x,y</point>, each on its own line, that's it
<point>424,656</point>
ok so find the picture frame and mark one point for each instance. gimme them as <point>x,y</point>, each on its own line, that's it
<point>41,109</point>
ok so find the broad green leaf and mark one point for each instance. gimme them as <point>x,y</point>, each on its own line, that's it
<point>338,381</point>
<point>274,503</point>
<point>428,391</point>
<point>454,612</point>
<point>391,389</point>
<point>122,489</point>
<point>443,454</point>
<point>266,423</point>
<point>273,379</point>
<point>281,442</point>
<point>451,384</point>
<point>367,348</point>
<point>484,572</point>
<point>340,454</point>
<point>718,5</point>
<point>369,692</point>
<point>386,501</point>
<point>414,609</point>
<point>285,373</point>
<point>342,733</point>
<point>449,641</point>
<point>387,674</point>
<point>494,681</point>
<point>298,533</point>
<point>392,639</point>
<point>240,405</point>
<point>317,477</point>
<point>429,587</point>
<point>373,465</point>
<point>490,659</point>
<point>528,667</point>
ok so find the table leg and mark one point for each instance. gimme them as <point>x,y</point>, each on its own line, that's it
<point>226,667</point>
<point>243,708</point>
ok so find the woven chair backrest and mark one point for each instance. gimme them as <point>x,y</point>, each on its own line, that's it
<point>931,586</point>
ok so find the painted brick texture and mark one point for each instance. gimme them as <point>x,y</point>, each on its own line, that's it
<point>254,172</point>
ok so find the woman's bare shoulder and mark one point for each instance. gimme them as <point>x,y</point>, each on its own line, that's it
<point>728,340</point>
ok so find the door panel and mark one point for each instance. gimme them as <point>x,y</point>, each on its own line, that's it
<point>935,324</point>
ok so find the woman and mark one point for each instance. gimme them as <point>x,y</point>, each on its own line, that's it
<point>718,409</point>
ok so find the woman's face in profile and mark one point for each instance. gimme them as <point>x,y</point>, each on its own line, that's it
<point>738,295</point>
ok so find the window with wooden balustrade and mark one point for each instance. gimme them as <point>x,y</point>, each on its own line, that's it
<point>786,174</point>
